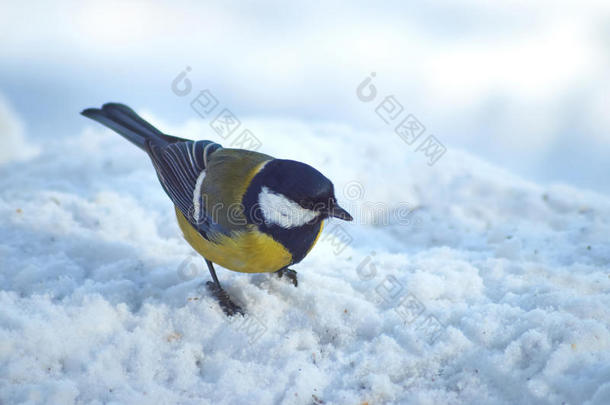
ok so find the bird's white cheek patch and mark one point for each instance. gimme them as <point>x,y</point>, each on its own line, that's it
<point>282,211</point>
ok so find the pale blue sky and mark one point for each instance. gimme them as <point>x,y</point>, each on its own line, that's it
<point>525,85</point>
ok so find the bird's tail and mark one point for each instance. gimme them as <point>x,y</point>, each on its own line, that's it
<point>126,122</point>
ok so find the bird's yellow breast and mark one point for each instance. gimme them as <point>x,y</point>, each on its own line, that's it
<point>248,251</point>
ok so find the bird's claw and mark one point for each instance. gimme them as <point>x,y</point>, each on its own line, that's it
<point>289,273</point>
<point>228,306</point>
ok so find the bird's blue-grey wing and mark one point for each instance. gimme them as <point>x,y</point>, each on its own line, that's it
<point>181,168</point>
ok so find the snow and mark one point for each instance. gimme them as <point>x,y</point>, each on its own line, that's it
<point>456,283</point>
<point>14,146</point>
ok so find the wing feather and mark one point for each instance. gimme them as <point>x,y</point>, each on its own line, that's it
<point>179,166</point>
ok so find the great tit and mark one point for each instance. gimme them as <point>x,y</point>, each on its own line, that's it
<point>243,210</point>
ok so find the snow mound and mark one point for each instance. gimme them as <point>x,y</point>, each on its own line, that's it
<point>457,283</point>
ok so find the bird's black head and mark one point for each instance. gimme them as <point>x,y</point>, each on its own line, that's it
<point>291,194</point>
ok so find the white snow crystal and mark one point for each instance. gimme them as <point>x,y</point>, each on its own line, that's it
<point>497,290</point>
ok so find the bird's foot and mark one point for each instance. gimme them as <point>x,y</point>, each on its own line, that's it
<point>289,273</point>
<point>228,306</point>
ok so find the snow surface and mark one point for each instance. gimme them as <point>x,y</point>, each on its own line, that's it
<point>457,283</point>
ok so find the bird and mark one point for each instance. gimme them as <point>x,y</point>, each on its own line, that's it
<point>243,210</point>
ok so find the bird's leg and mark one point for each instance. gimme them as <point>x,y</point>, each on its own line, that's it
<point>228,306</point>
<point>289,273</point>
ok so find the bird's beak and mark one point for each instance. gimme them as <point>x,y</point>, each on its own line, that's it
<point>337,212</point>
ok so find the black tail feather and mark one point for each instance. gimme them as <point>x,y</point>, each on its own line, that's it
<point>126,122</point>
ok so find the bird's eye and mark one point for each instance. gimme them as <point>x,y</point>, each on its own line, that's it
<point>308,204</point>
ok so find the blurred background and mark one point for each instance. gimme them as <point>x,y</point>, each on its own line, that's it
<point>524,85</point>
